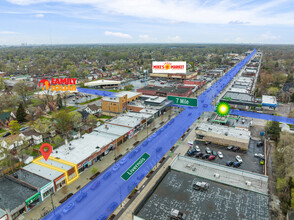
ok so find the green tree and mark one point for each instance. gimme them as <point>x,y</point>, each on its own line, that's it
<point>63,122</point>
<point>59,101</point>
<point>42,125</point>
<point>129,87</point>
<point>2,85</point>
<point>92,121</point>
<point>58,140</point>
<point>76,119</point>
<point>14,126</point>
<point>273,129</point>
<point>20,113</point>
<point>94,170</point>
<point>22,89</point>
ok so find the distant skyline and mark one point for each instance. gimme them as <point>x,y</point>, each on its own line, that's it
<point>146,21</point>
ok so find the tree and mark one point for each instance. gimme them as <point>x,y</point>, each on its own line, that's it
<point>20,113</point>
<point>63,122</point>
<point>2,85</point>
<point>22,89</point>
<point>59,101</point>
<point>273,91</point>
<point>129,87</point>
<point>92,120</point>
<point>94,170</point>
<point>76,119</point>
<point>273,129</point>
<point>58,140</point>
<point>14,126</point>
<point>42,125</point>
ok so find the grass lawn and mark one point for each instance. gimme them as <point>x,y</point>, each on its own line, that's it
<point>290,125</point>
<point>113,90</point>
<point>91,100</point>
<point>71,108</point>
<point>106,116</point>
<point>36,102</point>
<point>2,130</point>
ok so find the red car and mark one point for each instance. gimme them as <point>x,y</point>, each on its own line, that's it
<point>212,157</point>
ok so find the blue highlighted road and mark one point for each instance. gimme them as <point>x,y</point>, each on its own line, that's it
<point>98,199</point>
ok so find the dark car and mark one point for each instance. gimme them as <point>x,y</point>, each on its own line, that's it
<point>214,153</point>
<point>199,154</point>
<point>7,134</point>
<point>191,152</point>
<point>230,147</point>
<point>236,164</point>
<point>212,157</point>
<point>235,149</point>
<point>205,156</point>
<point>229,163</point>
<point>259,144</point>
<point>207,142</point>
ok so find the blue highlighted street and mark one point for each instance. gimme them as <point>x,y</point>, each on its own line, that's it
<point>98,199</point>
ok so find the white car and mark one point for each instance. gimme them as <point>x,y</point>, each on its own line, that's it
<point>220,154</point>
<point>239,159</point>
<point>197,148</point>
<point>190,142</point>
<point>259,155</point>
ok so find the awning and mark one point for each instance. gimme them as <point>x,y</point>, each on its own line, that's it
<point>33,199</point>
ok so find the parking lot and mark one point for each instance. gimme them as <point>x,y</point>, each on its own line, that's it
<point>250,162</point>
<point>81,98</point>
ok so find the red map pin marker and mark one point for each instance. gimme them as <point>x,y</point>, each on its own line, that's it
<point>46,150</point>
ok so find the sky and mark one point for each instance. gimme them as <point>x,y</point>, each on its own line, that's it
<point>146,21</point>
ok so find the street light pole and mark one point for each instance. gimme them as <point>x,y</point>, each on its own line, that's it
<point>52,203</point>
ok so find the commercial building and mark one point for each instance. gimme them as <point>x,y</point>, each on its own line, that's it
<point>232,194</point>
<point>118,103</point>
<point>166,91</point>
<point>269,101</point>
<point>175,76</point>
<point>103,84</point>
<point>223,135</point>
<point>13,194</point>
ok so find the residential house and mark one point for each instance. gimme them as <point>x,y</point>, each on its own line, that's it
<point>84,115</point>
<point>5,119</point>
<point>12,142</point>
<point>92,109</point>
<point>33,137</point>
<point>43,108</point>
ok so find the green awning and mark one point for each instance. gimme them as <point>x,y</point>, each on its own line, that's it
<point>33,199</point>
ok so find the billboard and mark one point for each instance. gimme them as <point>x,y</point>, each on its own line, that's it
<point>169,67</point>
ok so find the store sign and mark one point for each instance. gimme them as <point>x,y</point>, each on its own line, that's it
<point>135,166</point>
<point>45,188</point>
<point>33,199</point>
<point>169,67</point>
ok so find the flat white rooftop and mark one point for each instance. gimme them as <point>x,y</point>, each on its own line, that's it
<point>224,130</point>
<point>113,129</point>
<point>128,93</point>
<point>219,173</point>
<point>125,120</point>
<point>269,99</point>
<point>42,171</point>
<point>102,82</point>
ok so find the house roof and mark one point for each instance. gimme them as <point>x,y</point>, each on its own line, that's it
<point>93,107</point>
<point>30,133</point>
<point>42,107</point>
<point>4,116</point>
<point>84,114</point>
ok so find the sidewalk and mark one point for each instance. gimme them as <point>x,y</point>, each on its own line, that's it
<point>102,165</point>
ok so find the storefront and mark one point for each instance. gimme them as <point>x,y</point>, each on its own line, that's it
<point>46,190</point>
<point>33,201</point>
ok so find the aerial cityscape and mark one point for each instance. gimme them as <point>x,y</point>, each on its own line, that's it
<point>146,110</point>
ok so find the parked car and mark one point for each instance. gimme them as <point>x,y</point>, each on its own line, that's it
<point>220,154</point>
<point>197,148</point>
<point>207,142</point>
<point>23,129</point>
<point>205,156</point>
<point>190,142</point>
<point>259,155</point>
<point>6,134</point>
<point>259,144</point>
<point>208,150</point>
<point>199,154</point>
<point>212,157</point>
<point>229,163</point>
<point>191,152</point>
<point>214,153</point>
<point>235,149</point>
<point>239,159</point>
<point>236,164</point>
<point>230,147</point>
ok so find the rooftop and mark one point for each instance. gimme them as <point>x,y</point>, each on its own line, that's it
<point>125,120</point>
<point>113,129</point>
<point>128,93</point>
<point>102,82</point>
<point>13,194</point>
<point>220,201</point>
<point>166,89</point>
<point>80,149</point>
<point>31,178</point>
<point>42,171</point>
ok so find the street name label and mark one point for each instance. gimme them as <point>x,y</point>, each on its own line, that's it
<point>183,100</point>
<point>135,166</point>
